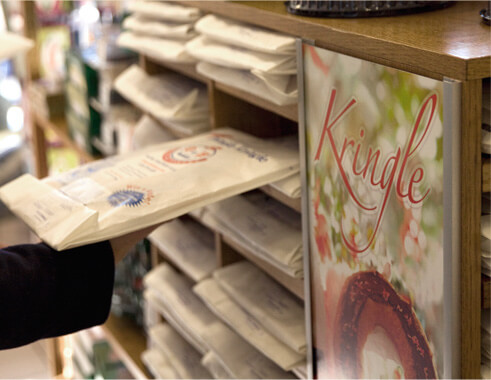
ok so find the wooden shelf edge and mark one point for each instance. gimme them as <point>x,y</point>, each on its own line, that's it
<point>294,285</point>
<point>187,69</point>
<point>58,127</point>
<point>293,203</point>
<point>485,292</point>
<point>289,112</point>
<point>486,175</point>
<point>128,342</point>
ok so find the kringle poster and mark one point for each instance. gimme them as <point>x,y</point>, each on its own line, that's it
<point>374,146</point>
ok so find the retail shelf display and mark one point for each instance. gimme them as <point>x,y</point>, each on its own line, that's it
<point>427,44</point>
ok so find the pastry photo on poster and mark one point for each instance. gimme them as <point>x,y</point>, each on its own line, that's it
<point>374,165</point>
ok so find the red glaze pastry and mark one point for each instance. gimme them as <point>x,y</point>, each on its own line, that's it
<point>368,301</point>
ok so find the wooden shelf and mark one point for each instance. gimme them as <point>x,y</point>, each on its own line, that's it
<point>450,42</point>
<point>128,341</point>
<point>153,66</point>
<point>486,175</point>
<point>289,112</point>
<point>59,127</point>
<point>295,285</point>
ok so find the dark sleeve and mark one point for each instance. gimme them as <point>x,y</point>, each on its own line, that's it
<point>46,293</point>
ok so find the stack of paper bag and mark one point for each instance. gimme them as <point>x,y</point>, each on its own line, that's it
<point>159,30</point>
<point>239,358</point>
<point>121,194</point>
<point>274,307</point>
<point>158,364</point>
<point>171,294</point>
<point>253,59</point>
<point>244,324</point>
<point>179,102</point>
<point>266,227</point>
<point>189,245</point>
<point>183,358</point>
<point>148,132</point>
<point>212,363</point>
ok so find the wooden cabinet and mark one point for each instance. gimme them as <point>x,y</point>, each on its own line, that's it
<point>451,43</point>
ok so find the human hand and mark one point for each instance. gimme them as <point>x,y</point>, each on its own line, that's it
<point>122,244</point>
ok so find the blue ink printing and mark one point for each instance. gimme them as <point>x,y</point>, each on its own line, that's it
<point>128,198</point>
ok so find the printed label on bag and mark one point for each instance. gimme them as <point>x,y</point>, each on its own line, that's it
<point>190,154</point>
<point>132,196</point>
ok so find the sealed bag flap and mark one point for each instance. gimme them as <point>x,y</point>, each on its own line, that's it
<point>53,216</point>
<point>247,36</point>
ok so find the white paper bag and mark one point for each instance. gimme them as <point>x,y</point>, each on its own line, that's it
<point>115,196</point>
<point>156,47</point>
<point>175,292</point>
<point>244,35</point>
<point>272,305</point>
<point>246,81</point>
<point>154,300</point>
<point>270,229</point>
<point>290,186</point>
<point>158,364</point>
<point>148,132</point>
<point>183,357</point>
<point>189,245</point>
<point>165,96</point>
<point>235,57</point>
<point>244,324</point>
<point>162,10</point>
<point>213,365</point>
<point>239,358</point>
<point>150,27</point>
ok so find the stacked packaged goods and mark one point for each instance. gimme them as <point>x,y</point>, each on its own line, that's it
<point>269,230</point>
<point>170,98</point>
<point>159,30</point>
<point>171,294</point>
<point>182,359</point>
<point>252,59</point>
<point>148,132</point>
<point>271,305</point>
<point>189,245</point>
<point>244,324</point>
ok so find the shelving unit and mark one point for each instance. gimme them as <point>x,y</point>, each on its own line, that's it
<point>449,43</point>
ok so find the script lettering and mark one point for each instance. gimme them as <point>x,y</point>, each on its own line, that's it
<point>381,175</point>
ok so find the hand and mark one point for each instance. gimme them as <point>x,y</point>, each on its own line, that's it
<point>122,244</point>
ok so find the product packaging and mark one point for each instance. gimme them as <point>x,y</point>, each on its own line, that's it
<point>278,89</point>
<point>185,360</point>
<point>150,27</point>
<point>247,36</point>
<point>161,10</point>
<point>158,364</point>
<point>208,50</point>
<point>269,229</point>
<point>239,358</point>
<point>189,245</point>
<point>244,324</point>
<point>155,47</point>
<point>213,365</point>
<point>121,194</point>
<point>272,305</point>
